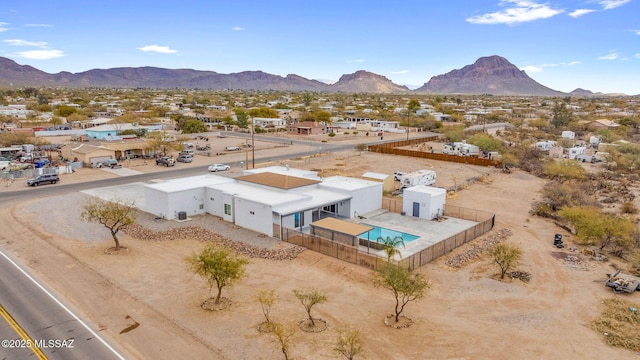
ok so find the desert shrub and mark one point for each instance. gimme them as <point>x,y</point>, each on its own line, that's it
<point>557,195</point>
<point>332,134</point>
<point>619,322</point>
<point>347,133</point>
<point>543,210</point>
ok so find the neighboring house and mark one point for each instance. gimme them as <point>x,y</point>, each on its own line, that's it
<point>602,124</point>
<point>267,123</point>
<point>266,201</point>
<point>388,184</point>
<point>89,154</point>
<point>112,131</point>
<point>307,128</point>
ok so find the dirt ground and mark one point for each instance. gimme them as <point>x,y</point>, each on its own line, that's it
<point>467,314</point>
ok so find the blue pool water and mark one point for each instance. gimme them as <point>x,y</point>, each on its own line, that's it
<point>378,231</point>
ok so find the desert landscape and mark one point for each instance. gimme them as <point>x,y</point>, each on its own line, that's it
<point>467,313</point>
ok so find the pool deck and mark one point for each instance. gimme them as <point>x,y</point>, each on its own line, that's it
<point>429,231</point>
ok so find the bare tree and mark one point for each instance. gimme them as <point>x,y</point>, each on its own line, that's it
<point>283,334</point>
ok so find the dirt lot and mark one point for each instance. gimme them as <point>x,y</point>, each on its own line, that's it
<point>467,314</point>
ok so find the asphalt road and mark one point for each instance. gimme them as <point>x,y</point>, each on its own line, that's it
<point>34,324</point>
<point>30,315</point>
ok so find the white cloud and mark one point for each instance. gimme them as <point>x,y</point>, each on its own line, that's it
<point>637,56</point>
<point>580,12</point>
<point>573,63</point>
<point>531,69</point>
<point>612,4</point>
<point>40,54</point>
<point>355,61</point>
<point>518,12</point>
<point>399,72</point>
<point>612,55</point>
<point>3,26</point>
<point>19,42</point>
<point>637,32</point>
<point>237,28</point>
<point>158,49</point>
<point>38,25</point>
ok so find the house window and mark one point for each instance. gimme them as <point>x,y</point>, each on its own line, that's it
<point>227,209</point>
<point>330,208</point>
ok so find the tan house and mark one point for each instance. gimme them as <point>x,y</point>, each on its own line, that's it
<point>307,128</point>
<point>89,154</point>
<point>602,124</point>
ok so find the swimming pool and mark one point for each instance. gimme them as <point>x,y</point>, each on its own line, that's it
<point>378,231</point>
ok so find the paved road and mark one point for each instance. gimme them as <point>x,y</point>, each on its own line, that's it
<point>34,324</point>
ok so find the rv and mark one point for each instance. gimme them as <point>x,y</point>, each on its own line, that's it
<point>545,145</point>
<point>461,148</point>
<point>420,177</point>
<point>575,151</point>
<point>568,135</point>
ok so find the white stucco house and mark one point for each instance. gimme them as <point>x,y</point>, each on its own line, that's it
<point>264,200</point>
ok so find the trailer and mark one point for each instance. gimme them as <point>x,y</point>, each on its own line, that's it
<point>420,177</point>
<point>461,149</point>
<point>621,282</point>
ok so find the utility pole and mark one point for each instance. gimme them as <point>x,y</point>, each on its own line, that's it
<point>253,148</point>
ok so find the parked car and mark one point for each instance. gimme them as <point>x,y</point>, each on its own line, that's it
<point>185,158</point>
<point>219,167</point>
<point>187,152</point>
<point>232,148</point>
<point>221,135</point>
<point>43,179</point>
<point>111,163</point>
<point>166,161</point>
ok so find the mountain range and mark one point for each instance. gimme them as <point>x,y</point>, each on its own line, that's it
<point>488,75</point>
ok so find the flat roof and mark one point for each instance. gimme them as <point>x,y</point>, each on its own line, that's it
<point>316,198</point>
<point>279,181</point>
<point>348,183</point>
<point>188,183</point>
<point>342,226</point>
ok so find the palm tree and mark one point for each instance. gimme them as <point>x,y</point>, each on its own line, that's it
<point>390,245</point>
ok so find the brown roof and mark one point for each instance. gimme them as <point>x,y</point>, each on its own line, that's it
<point>277,180</point>
<point>342,226</point>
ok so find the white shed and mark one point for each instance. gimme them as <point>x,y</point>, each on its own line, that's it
<point>425,202</point>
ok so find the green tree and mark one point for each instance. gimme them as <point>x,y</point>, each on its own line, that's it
<point>563,170</point>
<point>162,143</point>
<point>390,245</point>
<point>505,256</point>
<point>406,286</point>
<point>308,298</point>
<point>219,266</point>
<point>65,110</point>
<point>283,334</point>
<point>242,118</point>
<point>193,126</point>
<point>267,298</point>
<point>486,142</point>
<point>595,227</point>
<point>264,112</point>
<point>349,343</point>
<point>114,215</point>
<point>561,116</point>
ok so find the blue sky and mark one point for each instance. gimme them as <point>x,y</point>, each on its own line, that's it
<point>568,44</point>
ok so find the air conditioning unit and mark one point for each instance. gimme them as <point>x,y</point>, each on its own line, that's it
<point>182,215</point>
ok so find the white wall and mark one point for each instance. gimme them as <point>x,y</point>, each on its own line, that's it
<point>254,216</point>
<point>431,201</point>
<point>366,200</point>
<point>168,204</point>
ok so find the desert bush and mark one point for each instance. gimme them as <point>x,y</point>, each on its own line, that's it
<point>619,323</point>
